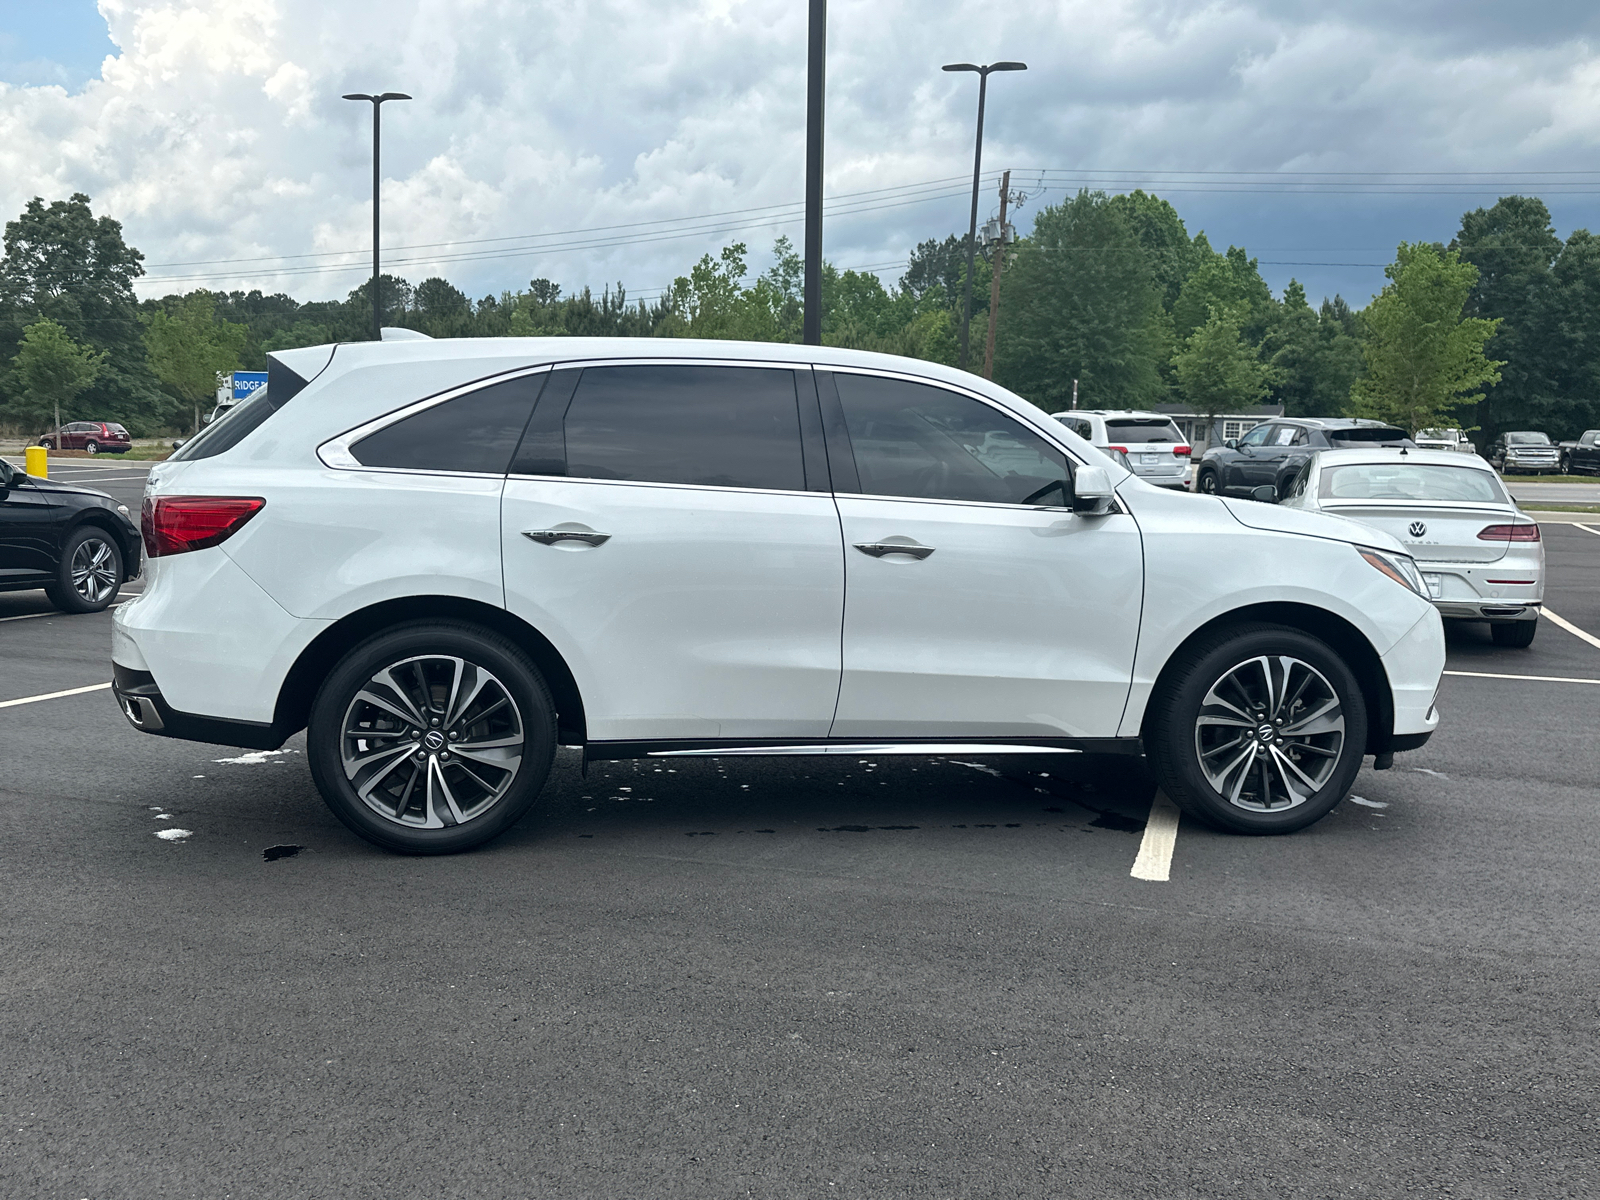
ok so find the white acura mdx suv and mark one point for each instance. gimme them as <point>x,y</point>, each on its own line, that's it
<point>443,559</point>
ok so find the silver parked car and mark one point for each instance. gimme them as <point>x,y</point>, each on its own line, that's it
<point>1480,555</point>
<point>1148,444</point>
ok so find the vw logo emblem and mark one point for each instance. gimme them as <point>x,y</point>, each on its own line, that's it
<point>1418,529</point>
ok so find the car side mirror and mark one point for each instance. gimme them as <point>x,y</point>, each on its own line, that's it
<point>1266,493</point>
<point>1231,444</point>
<point>1091,491</point>
<point>7,473</point>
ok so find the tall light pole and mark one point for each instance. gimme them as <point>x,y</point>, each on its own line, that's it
<point>816,71</point>
<point>977,168</point>
<point>378,104</point>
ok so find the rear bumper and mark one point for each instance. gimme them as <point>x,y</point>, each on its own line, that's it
<point>147,711</point>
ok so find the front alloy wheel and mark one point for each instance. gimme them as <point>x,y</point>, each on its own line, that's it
<point>1269,733</point>
<point>90,572</point>
<point>1257,729</point>
<point>431,737</point>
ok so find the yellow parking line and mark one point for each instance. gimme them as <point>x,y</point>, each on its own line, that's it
<point>93,687</point>
<point>1154,862</point>
<point>1572,629</point>
<point>1533,678</point>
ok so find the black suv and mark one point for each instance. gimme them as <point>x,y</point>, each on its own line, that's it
<point>78,544</point>
<point>1271,453</point>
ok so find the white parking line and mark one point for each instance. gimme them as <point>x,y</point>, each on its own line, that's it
<point>1573,629</point>
<point>1532,678</point>
<point>1154,862</point>
<point>1586,528</point>
<point>93,687</point>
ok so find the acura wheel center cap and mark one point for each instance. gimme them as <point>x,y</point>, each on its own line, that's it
<point>433,740</point>
<point>1266,733</point>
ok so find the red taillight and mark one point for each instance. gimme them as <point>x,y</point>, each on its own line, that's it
<point>1118,449</point>
<point>1182,451</point>
<point>1509,533</point>
<point>178,524</point>
<point>104,432</point>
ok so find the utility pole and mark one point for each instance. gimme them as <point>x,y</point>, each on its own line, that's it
<point>816,71</point>
<point>994,282</point>
<point>377,105</point>
<point>1074,395</point>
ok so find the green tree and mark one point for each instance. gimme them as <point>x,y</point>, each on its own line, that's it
<point>1172,255</point>
<point>1424,359</point>
<point>1314,357</point>
<point>1080,302</point>
<point>1219,281</point>
<point>189,348</point>
<point>64,263</point>
<point>50,370</point>
<point>1217,369</point>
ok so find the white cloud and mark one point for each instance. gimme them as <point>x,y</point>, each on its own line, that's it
<point>218,132</point>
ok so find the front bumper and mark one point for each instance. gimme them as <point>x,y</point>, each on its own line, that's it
<point>1415,667</point>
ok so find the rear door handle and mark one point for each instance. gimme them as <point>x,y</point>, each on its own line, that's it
<point>549,537</point>
<point>879,549</point>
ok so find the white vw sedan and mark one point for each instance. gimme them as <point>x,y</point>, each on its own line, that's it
<point>443,559</point>
<point>1480,555</point>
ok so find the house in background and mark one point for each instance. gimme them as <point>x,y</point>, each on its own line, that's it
<point>1226,425</point>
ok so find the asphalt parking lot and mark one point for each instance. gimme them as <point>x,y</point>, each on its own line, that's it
<point>869,978</point>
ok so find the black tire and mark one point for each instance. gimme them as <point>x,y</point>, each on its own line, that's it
<point>1175,733</point>
<point>399,816</point>
<point>89,574</point>
<point>1206,483</point>
<point>1514,634</point>
<point>91,447</point>
<point>47,443</point>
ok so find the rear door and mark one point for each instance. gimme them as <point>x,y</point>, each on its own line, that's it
<point>974,609</point>
<point>666,525</point>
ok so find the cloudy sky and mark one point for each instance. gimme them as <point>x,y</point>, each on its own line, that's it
<point>590,142</point>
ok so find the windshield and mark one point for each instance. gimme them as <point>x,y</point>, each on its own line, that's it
<point>1409,481</point>
<point>1527,439</point>
<point>1142,429</point>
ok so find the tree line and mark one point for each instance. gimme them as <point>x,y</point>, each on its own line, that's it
<point>1498,329</point>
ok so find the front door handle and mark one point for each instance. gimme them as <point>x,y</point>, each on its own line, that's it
<point>879,549</point>
<point>549,537</point>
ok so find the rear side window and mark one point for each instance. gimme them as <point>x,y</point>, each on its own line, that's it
<point>1078,426</point>
<point>229,429</point>
<point>474,434</point>
<point>1121,431</point>
<point>912,439</point>
<point>701,425</point>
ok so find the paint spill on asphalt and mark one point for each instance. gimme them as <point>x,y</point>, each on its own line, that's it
<point>174,835</point>
<point>255,757</point>
<point>1429,771</point>
<point>1364,802</point>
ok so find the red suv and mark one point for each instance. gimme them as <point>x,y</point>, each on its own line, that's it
<point>93,436</point>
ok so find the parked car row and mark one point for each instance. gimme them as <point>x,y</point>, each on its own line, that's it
<point>76,543</point>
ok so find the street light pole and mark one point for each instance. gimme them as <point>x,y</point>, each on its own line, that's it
<point>816,72</point>
<point>983,74</point>
<point>377,105</point>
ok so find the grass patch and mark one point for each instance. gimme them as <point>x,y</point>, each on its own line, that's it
<point>1571,508</point>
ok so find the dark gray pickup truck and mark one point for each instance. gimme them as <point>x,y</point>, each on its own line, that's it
<point>1582,457</point>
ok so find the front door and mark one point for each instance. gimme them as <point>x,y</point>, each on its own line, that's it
<point>974,608</point>
<point>660,526</point>
<point>27,533</point>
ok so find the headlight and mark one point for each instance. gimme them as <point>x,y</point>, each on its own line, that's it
<point>1401,568</point>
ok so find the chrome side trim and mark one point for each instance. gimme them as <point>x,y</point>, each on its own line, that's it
<point>867,748</point>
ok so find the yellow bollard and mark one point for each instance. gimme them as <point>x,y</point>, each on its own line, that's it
<point>36,461</point>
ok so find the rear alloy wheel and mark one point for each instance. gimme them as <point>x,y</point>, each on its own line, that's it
<point>90,574</point>
<point>92,447</point>
<point>432,738</point>
<point>1206,482</point>
<point>1514,634</point>
<point>1260,729</point>
<point>47,443</point>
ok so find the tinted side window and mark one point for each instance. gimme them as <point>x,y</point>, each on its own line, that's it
<point>472,434</point>
<point>709,426</point>
<point>913,439</point>
<point>1257,436</point>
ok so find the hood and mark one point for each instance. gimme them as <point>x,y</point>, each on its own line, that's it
<point>1255,515</point>
<point>76,489</point>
